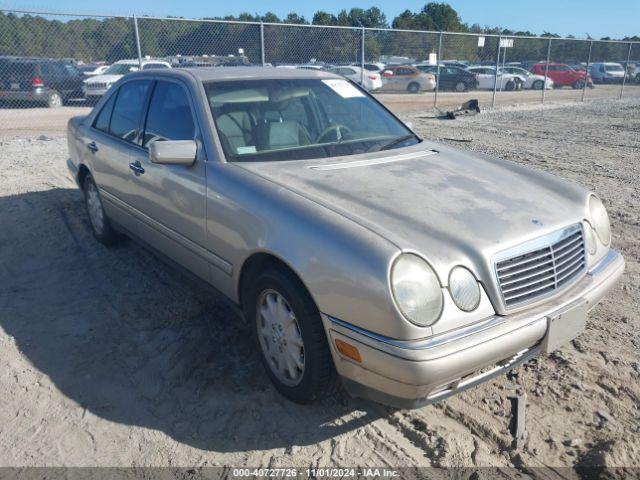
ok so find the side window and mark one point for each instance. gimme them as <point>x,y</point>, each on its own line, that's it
<point>127,112</point>
<point>169,116</point>
<point>104,117</point>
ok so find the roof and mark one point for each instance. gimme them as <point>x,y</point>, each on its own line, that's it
<point>252,73</point>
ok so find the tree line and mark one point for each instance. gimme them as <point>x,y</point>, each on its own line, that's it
<point>111,39</point>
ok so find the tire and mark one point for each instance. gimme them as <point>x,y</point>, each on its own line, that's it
<point>277,342</point>
<point>538,85</point>
<point>461,87</point>
<point>413,87</point>
<point>578,84</point>
<point>638,79</point>
<point>510,86</point>
<point>100,225</point>
<point>54,100</point>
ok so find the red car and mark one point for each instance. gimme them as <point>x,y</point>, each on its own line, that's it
<point>562,74</point>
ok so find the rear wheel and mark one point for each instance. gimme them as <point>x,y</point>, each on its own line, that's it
<point>537,85</point>
<point>100,225</point>
<point>413,87</point>
<point>54,100</point>
<point>461,87</point>
<point>289,335</point>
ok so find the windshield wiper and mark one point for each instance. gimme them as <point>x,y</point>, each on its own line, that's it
<point>398,140</point>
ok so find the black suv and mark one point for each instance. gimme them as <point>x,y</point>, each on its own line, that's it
<point>39,81</point>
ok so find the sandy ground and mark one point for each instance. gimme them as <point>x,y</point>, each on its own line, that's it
<point>109,357</point>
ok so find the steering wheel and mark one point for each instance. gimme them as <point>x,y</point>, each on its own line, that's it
<point>339,129</point>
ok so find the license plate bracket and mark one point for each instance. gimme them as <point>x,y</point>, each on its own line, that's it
<point>565,325</point>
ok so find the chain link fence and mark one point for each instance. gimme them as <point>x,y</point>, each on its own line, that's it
<point>51,59</point>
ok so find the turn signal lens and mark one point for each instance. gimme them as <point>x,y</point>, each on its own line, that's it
<point>348,350</point>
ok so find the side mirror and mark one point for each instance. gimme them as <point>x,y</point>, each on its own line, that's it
<point>174,152</point>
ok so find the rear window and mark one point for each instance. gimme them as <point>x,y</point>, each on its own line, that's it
<point>18,68</point>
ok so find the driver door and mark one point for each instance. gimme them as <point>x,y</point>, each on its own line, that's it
<point>170,199</point>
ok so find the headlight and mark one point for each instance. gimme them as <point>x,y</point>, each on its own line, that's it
<point>600,219</point>
<point>464,289</point>
<point>590,241</point>
<point>416,290</point>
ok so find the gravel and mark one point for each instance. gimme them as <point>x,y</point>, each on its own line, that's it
<point>112,358</point>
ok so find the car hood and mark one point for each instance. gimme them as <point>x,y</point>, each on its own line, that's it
<point>103,79</point>
<point>452,206</point>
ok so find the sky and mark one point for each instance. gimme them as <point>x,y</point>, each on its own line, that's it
<point>597,18</point>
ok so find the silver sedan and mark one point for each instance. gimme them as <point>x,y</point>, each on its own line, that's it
<point>356,250</point>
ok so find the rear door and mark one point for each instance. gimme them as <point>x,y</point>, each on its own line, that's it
<point>114,138</point>
<point>170,199</point>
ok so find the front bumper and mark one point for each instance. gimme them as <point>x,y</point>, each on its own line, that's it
<point>408,374</point>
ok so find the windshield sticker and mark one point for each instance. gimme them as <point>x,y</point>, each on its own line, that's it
<point>343,88</point>
<point>247,149</point>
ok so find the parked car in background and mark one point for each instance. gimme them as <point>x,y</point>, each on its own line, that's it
<point>529,80</point>
<point>635,73</point>
<point>39,81</point>
<point>407,79</point>
<point>354,249</point>
<point>607,72</point>
<point>563,75</point>
<point>372,67</point>
<point>487,79</point>
<point>369,80</point>
<point>451,78</point>
<point>92,70</point>
<point>98,85</point>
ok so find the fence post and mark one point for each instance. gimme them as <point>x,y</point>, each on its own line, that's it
<point>135,29</point>
<point>438,60</point>
<point>262,43</point>
<point>626,69</point>
<point>584,87</point>
<point>362,58</point>
<point>546,70</point>
<point>495,77</point>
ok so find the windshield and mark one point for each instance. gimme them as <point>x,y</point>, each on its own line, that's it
<point>119,69</point>
<point>292,119</point>
<point>613,68</point>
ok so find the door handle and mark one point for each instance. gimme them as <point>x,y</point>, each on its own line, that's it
<point>136,167</point>
<point>93,147</point>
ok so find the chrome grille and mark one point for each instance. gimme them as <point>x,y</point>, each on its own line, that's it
<point>96,85</point>
<point>554,262</point>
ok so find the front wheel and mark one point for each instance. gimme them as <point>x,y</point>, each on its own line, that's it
<point>290,337</point>
<point>510,86</point>
<point>538,85</point>
<point>461,87</point>
<point>578,84</point>
<point>100,225</point>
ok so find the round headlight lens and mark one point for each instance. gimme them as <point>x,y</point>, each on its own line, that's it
<point>416,290</point>
<point>464,289</point>
<point>600,219</point>
<point>590,241</point>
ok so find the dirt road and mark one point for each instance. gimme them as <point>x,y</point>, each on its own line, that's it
<point>110,357</point>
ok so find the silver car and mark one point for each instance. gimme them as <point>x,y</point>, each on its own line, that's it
<point>357,251</point>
